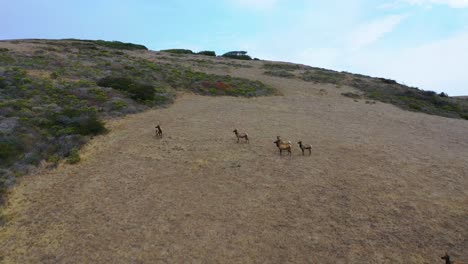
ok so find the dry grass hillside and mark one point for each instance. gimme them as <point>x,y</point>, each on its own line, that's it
<point>383,185</point>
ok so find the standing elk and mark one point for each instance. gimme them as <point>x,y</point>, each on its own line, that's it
<point>241,135</point>
<point>283,145</point>
<point>304,147</point>
<point>158,131</point>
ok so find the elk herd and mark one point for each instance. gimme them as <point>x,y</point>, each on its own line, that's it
<point>281,144</point>
<point>287,146</point>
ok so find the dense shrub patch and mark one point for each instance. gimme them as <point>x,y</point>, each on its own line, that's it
<point>137,91</point>
<point>178,51</point>
<point>238,55</point>
<point>207,53</point>
<point>113,44</point>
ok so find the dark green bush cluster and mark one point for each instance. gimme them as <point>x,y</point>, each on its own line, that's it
<point>137,91</point>
<point>114,44</point>
<point>238,55</point>
<point>207,53</point>
<point>10,150</point>
<point>74,156</point>
<point>178,51</point>
<point>187,51</point>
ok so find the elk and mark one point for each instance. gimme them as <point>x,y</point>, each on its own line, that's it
<point>158,131</point>
<point>283,145</point>
<point>304,147</point>
<point>448,261</point>
<point>241,135</point>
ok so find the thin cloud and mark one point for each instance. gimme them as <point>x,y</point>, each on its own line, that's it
<point>438,65</point>
<point>369,33</point>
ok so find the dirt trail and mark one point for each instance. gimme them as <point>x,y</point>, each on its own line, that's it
<point>382,186</point>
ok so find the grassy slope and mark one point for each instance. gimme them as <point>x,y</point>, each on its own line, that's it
<point>380,89</point>
<point>54,95</point>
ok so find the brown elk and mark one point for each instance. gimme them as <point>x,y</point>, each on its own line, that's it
<point>283,145</point>
<point>304,147</point>
<point>241,135</point>
<point>158,131</point>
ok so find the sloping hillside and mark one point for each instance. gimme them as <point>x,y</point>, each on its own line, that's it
<point>383,185</point>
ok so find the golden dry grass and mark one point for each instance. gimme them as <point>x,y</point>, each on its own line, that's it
<point>382,186</point>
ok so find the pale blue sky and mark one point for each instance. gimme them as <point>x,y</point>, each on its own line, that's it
<point>423,43</point>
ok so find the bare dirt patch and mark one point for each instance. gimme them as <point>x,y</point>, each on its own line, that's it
<point>382,186</point>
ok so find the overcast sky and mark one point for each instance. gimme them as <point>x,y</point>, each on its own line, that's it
<point>422,43</point>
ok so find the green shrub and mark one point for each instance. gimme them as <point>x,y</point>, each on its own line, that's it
<point>83,121</point>
<point>74,156</point>
<point>98,94</point>
<point>10,150</point>
<point>137,91</point>
<point>118,105</point>
<point>55,159</point>
<point>90,125</point>
<point>141,92</point>
<point>54,75</point>
<point>113,44</point>
<point>207,53</point>
<point>119,83</point>
<point>238,55</point>
<point>178,51</point>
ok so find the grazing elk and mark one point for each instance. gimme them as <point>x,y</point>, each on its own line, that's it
<point>158,131</point>
<point>448,261</point>
<point>283,145</point>
<point>241,135</point>
<point>304,147</point>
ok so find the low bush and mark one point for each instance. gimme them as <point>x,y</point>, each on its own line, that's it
<point>116,44</point>
<point>10,149</point>
<point>238,55</point>
<point>207,53</point>
<point>74,156</point>
<point>178,51</point>
<point>137,91</point>
<point>118,105</point>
